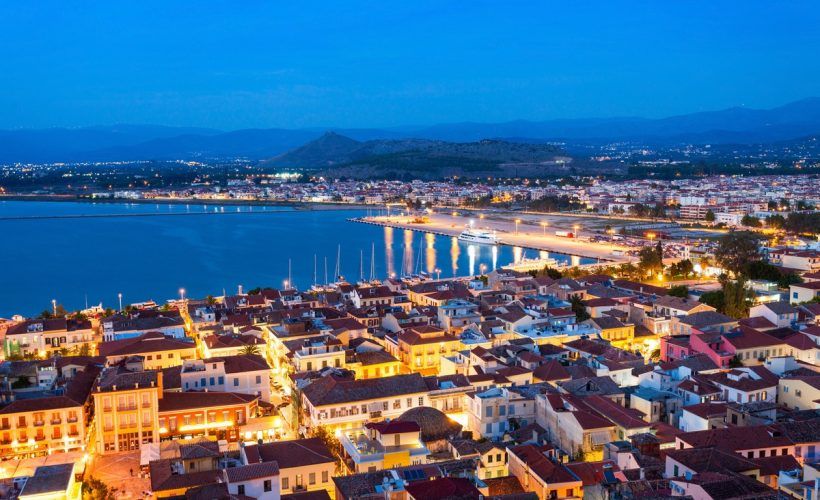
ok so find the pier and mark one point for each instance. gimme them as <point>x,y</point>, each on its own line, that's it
<point>452,226</point>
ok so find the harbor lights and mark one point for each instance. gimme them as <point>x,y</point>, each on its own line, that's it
<point>517,222</point>
<point>544,225</point>
<point>182,294</point>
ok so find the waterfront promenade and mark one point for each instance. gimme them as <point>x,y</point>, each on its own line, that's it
<point>526,236</point>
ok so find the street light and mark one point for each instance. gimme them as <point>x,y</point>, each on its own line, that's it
<point>482,268</point>
<point>438,273</point>
<point>54,306</point>
<point>119,296</point>
<point>181,294</point>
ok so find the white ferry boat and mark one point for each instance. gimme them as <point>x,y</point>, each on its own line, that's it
<point>479,236</point>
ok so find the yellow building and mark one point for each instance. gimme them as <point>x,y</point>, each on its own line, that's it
<point>373,364</point>
<point>799,393</point>
<point>126,409</point>
<point>611,329</point>
<point>155,350</point>
<point>40,426</point>
<point>421,348</point>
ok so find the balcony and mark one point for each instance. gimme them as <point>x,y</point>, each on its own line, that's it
<point>39,423</point>
<point>71,420</point>
<point>128,407</point>
<point>40,438</point>
<point>56,421</point>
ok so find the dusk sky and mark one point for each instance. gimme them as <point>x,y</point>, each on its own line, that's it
<point>238,64</point>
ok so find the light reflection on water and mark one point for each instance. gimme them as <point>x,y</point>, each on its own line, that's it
<point>153,257</point>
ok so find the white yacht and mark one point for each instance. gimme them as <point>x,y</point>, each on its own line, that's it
<point>479,236</point>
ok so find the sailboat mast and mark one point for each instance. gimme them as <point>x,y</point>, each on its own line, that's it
<point>338,262</point>
<point>361,265</point>
<point>314,269</point>
<point>325,270</point>
<point>372,261</point>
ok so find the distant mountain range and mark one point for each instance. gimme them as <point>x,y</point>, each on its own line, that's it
<point>146,142</point>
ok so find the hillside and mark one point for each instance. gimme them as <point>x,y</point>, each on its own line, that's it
<point>341,155</point>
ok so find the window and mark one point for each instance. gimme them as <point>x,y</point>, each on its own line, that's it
<point>212,381</point>
<point>488,411</point>
<point>241,489</point>
<point>324,476</point>
<point>312,478</point>
<point>235,382</point>
<point>285,484</point>
<point>421,400</point>
<point>267,485</point>
<point>489,428</point>
<point>502,411</point>
<point>221,380</point>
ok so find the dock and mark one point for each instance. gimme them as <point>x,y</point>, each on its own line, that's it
<point>601,252</point>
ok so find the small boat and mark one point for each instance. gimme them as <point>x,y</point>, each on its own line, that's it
<point>479,236</point>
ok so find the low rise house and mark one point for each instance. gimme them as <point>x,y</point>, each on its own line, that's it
<point>304,464</point>
<point>153,349</point>
<point>349,404</point>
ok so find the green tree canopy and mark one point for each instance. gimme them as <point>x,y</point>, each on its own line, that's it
<point>736,251</point>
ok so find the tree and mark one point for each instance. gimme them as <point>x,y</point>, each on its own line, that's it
<point>750,221</point>
<point>94,489</point>
<point>578,308</point>
<point>737,298</point>
<point>710,216</point>
<point>681,291</point>
<point>683,268</point>
<point>250,349</point>
<point>714,299</point>
<point>775,221</point>
<point>331,442</point>
<point>736,251</point>
<point>649,261</point>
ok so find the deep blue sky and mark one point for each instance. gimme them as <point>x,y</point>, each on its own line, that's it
<point>236,64</point>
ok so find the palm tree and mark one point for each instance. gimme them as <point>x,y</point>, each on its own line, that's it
<point>250,349</point>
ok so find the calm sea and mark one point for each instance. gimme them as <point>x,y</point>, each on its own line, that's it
<point>78,253</point>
